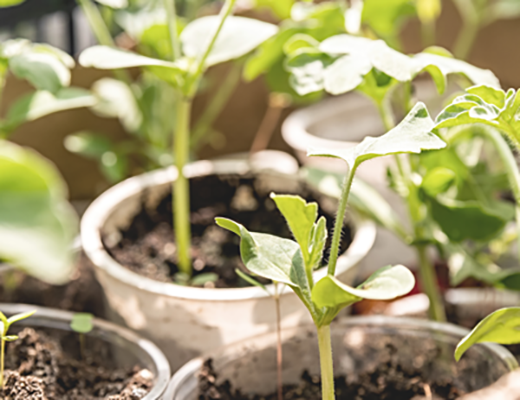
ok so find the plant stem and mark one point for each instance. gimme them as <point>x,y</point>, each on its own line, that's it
<point>468,33</point>
<point>385,112</point>
<point>340,217</point>
<point>511,166</point>
<point>171,17</point>
<point>326,366</point>
<point>428,33</point>
<point>199,66</point>
<point>429,285</point>
<point>102,33</point>
<point>278,341</point>
<point>181,192</point>
<point>216,105</point>
<point>2,353</point>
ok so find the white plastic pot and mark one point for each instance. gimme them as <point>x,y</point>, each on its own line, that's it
<point>358,345</point>
<point>128,348</point>
<point>188,321</point>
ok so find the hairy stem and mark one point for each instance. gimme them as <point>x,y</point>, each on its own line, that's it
<point>429,285</point>
<point>340,217</point>
<point>181,193</point>
<point>278,341</point>
<point>326,366</point>
<point>171,17</point>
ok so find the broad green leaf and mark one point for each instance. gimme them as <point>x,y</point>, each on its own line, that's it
<point>104,57</point>
<point>299,41</point>
<point>345,74</point>
<point>41,103</point>
<point>463,266</point>
<point>115,99</point>
<point>300,217</point>
<point>272,258</point>
<point>238,37</point>
<point>307,67</point>
<point>412,135</point>
<point>43,71</point>
<point>385,284</point>
<point>489,94</point>
<point>438,180</point>
<point>463,220</point>
<point>19,317</point>
<point>385,17</point>
<point>502,326</point>
<point>82,322</point>
<point>10,3</point>
<point>114,3</point>
<point>35,215</point>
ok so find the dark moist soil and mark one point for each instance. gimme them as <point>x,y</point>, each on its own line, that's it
<point>38,367</point>
<point>147,247</point>
<point>388,382</point>
<point>82,294</point>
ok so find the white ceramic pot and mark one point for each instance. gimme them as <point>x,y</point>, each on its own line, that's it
<point>358,345</point>
<point>187,321</point>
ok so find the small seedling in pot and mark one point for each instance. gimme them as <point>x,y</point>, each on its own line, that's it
<point>292,262</point>
<point>82,323</point>
<point>6,324</point>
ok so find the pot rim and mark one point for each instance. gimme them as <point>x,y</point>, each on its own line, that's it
<point>193,366</point>
<point>96,214</point>
<point>61,319</point>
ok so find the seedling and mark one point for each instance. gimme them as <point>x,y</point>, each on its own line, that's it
<point>205,42</point>
<point>82,323</point>
<point>6,324</point>
<point>292,262</point>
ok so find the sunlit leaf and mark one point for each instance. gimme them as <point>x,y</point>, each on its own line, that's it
<point>35,215</point>
<point>114,3</point>
<point>412,135</point>
<point>502,326</point>
<point>19,317</point>
<point>10,3</point>
<point>280,8</point>
<point>238,37</point>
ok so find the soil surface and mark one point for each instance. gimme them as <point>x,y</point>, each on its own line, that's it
<point>147,247</point>
<point>388,382</point>
<point>82,294</point>
<point>38,367</point>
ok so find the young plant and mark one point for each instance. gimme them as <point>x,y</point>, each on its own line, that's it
<point>82,323</point>
<point>343,63</point>
<point>205,42</point>
<point>292,262</point>
<point>6,324</point>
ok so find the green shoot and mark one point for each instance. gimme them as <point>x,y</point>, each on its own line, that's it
<point>82,323</point>
<point>6,324</point>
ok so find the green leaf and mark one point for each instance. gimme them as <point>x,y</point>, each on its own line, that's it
<point>115,99</point>
<point>82,322</point>
<point>5,324</point>
<point>307,67</point>
<point>462,220</point>
<point>19,317</point>
<point>386,17</point>
<point>463,266</point>
<point>300,217</point>
<point>10,338</point>
<point>501,326</point>
<point>385,284</point>
<point>10,3</point>
<point>88,144</point>
<point>412,135</point>
<point>318,239</point>
<point>238,37</point>
<point>346,74</point>
<point>35,215</point>
<point>201,279</point>
<point>438,180</point>
<point>43,71</point>
<point>280,8</point>
<point>41,103</point>
<point>114,3</point>
<point>249,279</point>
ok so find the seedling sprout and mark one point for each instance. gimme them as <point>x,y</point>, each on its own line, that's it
<point>82,323</point>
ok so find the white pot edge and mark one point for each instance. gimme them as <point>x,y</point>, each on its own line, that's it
<point>101,208</point>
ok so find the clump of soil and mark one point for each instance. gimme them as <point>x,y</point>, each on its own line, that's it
<point>388,381</point>
<point>38,368</point>
<point>147,247</point>
<point>82,294</point>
